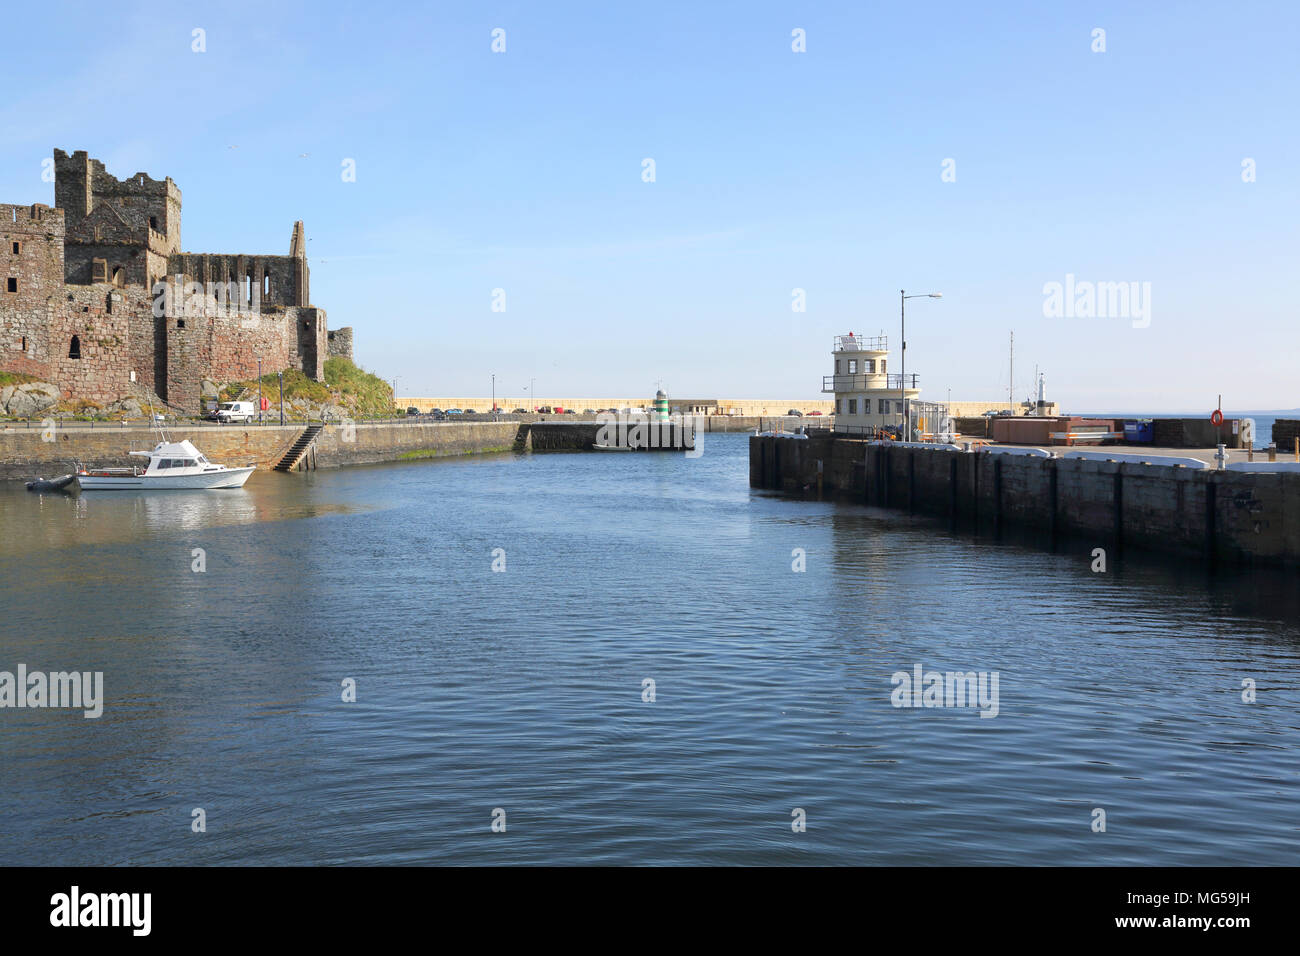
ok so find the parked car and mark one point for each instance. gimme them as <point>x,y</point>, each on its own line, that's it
<point>435,411</point>
<point>795,413</point>
<point>453,411</point>
<point>588,411</point>
<point>236,412</point>
<point>519,411</point>
<point>814,413</point>
<point>545,410</point>
<point>570,411</point>
<point>412,410</point>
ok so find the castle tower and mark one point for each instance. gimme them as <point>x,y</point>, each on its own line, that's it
<point>119,231</point>
<point>867,396</point>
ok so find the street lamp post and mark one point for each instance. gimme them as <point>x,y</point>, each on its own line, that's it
<point>902,381</point>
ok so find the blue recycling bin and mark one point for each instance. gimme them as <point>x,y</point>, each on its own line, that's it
<point>1139,431</point>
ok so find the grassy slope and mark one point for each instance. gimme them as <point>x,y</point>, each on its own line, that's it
<point>364,394</point>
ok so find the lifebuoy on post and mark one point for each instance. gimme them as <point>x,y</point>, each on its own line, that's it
<point>1216,418</point>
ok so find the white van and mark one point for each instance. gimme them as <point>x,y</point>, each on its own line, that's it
<point>236,412</point>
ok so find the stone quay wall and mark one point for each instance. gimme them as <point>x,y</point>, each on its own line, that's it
<point>1230,516</point>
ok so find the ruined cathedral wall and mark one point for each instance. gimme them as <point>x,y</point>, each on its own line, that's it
<point>246,281</point>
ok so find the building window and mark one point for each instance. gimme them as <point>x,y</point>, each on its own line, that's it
<point>119,276</point>
<point>883,406</point>
<point>853,406</point>
<point>870,366</point>
<point>853,366</point>
<point>74,350</point>
<point>153,223</point>
<point>266,285</point>
<point>180,323</point>
<point>24,343</point>
<point>18,247</point>
<point>839,403</point>
<point>882,366</point>
<point>98,270</point>
<point>838,366</point>
<point>11,285</point>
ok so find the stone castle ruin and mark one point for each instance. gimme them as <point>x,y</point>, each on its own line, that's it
<point>99,299</point>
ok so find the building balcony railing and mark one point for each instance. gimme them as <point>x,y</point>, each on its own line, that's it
<point>861,343</point>
<point>867,383</point>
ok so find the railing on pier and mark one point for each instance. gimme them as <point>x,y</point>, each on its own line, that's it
<point>861,343</point>
<point>865,383</point>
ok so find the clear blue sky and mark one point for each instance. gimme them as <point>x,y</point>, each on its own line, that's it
<point>775,170</point>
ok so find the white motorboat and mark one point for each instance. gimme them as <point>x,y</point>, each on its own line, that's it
<point>172,466</point>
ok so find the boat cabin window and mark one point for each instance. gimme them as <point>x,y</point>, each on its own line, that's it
<point>188,463</point>
<point>164,463</point>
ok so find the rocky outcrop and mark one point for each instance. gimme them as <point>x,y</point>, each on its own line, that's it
<point>29,400</point>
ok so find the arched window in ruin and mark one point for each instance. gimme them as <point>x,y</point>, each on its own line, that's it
<point>248,289</point>
<point>74,350</point>
<point>119,276</point>
<point>266,285</point>
<point>153,223</point>
<point>108,304</point>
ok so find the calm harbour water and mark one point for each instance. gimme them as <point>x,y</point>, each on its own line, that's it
<point>522,690</point>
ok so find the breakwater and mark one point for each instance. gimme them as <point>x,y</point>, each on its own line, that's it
<point>1236,516</point>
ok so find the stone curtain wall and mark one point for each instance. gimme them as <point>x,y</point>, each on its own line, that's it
<point>114,330</point>
<point>37,270</point>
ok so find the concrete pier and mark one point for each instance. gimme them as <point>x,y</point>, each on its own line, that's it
<point>1219,516</point>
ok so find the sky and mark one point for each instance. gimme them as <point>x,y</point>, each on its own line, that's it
<point>979,150</point>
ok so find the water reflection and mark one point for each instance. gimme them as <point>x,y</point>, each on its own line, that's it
<point>79,519</point>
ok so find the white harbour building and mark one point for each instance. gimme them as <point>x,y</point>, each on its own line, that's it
<point>867,395</point>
